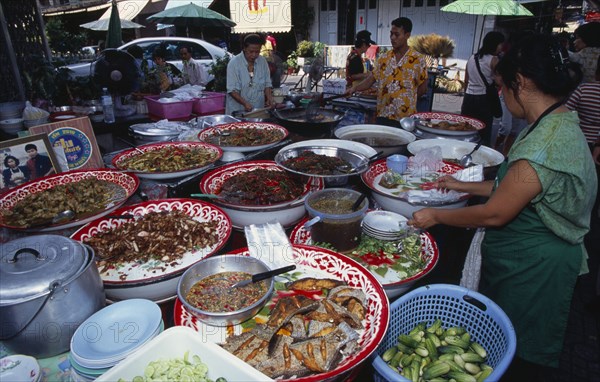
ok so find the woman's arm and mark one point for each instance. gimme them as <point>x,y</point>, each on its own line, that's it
<point>474,188</point>
<point>520,185</point>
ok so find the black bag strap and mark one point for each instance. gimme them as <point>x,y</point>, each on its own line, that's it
<point>479,70</point>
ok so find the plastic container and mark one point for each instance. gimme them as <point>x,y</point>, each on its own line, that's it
<point>455,306</point>
<point>209,103</point>
<point>169,110</point>
<point>337,224</point>
<point>397,163</point>
<point>174,343</point>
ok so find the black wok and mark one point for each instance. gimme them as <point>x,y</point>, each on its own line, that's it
<point>295,120</point>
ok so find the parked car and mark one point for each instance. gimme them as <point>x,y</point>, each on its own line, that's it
<point>202,51</point>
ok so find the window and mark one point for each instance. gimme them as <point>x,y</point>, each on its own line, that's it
<point>361,4</point>
<point>332,5</point>
<point>372,4</point>
<point>419,3</point>
<point>443,2</point>
<point>324,5</point>
<point>431,3</point>
<point>406,4</point>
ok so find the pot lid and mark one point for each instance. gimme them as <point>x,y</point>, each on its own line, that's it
<point>29,266</point>
<point>155,129</point>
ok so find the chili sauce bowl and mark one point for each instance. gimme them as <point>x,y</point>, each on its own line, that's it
<point>219,264</point>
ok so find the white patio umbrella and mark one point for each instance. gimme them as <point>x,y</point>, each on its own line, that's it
<point>102,25</point>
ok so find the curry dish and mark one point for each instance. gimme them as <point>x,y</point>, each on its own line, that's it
<point>169,159</point>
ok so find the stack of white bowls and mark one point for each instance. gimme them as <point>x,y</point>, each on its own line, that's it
<point>385,225</point>
<point>111,334</point>
<point>10,117</point>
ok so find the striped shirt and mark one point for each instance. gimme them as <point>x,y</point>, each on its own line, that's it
<point>586,101</point>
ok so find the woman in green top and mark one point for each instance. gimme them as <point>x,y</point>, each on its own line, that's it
<point>538,209</point>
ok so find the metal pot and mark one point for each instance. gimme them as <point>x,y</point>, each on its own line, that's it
<point>49,285</point>
<point>144,133</point>
<point>295,120</point>
<point>390,140</point>
<point>259,116</point>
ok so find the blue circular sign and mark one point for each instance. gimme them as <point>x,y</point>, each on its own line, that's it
<point>77,145</point>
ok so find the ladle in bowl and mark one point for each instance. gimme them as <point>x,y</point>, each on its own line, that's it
<point>261,276</point>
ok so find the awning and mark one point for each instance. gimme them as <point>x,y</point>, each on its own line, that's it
<point>128,9</point>
<point>78,10</point>
<point>261,16</point>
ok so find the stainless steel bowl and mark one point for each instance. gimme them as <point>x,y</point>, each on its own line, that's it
<point>219,264</point>
<point>212,120</point>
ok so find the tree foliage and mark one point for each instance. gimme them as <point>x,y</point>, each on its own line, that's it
<point>60,40</point>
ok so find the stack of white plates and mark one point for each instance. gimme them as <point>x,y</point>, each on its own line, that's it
<point>384,225</point>
<point>111,334</point>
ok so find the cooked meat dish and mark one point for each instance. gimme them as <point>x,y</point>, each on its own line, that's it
<point>309,162</point>
<point>261,187</point>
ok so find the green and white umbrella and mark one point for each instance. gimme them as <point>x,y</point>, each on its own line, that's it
<point>102,25</point>
<point>114,36</point>
<point>191,15</point>
<point>487,8</point>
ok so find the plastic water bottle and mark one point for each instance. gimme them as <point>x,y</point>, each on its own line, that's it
<point>107,107</point>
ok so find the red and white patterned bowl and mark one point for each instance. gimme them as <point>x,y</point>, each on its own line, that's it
<point>210,132</point>
<point>319,263</point>
<point>123,186</point>
<point>155,280</point>
<point>286,213</point>
<point>118,160</point>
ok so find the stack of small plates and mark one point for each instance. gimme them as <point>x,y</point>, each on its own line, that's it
<point>111,334</point>
<point>385,225</point>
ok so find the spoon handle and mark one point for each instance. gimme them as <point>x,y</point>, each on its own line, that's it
<point>271,273</point>
<point>476,148</point>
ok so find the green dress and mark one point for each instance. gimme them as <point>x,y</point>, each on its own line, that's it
<point>530,265</point>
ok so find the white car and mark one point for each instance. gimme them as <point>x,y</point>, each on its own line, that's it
<point>202,51</point>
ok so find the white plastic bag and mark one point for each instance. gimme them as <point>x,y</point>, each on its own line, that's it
<point>471,273</point>
<point>34,113</point>
<point>426,161</point>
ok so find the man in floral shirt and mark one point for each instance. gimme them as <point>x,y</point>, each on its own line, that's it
<point>401,74</point>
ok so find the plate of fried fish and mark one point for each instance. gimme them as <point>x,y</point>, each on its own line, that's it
<point>325,318</point>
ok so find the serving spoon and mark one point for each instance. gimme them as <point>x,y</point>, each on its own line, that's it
<point>264,275</point>
<point>467,159</point>
<point>59,218</point>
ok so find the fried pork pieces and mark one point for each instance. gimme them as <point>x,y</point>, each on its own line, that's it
<point>304,336</point>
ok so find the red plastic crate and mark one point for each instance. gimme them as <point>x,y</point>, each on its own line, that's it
<point>209,103</point>
<point>171,110</point>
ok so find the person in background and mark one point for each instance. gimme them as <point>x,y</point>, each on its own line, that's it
<point>401,76</point>
<point>248,79</point>
<point>270,38</point>
<point>13,174</point>
<point>587,47</point>
<point>39,165</point>
<point>143,66</point>
<point>475,102</point>
<point>371,56</point>
<point>194,72</point>
<point>169,74</point>
<point>355,66</point>
<point>538,210</point>
<point>585,100</point>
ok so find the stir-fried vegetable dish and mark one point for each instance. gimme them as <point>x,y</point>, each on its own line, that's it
<point>261,187</point>
<point>241,137</point>
<point>403,256</point>
<point>215,293</point>
<point>165,236</point>
<point>169,159</point>
<point>85,197</point>
<point>309,162</point>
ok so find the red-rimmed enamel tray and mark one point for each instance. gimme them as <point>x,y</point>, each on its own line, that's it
<point>122,186</point>
<point>211,135</point>
<point>170,149</point>
<point>373,175</point>
<point>320,263</point>
<point>139,274</point>
<point>212,182</point>
<point>392,280</point>
<point>423,121</point>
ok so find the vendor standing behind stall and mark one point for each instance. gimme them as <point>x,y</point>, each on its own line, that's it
<point>248,79</point>
<point>538,209</point>
<point>401,74</point>
<point>355,65</point>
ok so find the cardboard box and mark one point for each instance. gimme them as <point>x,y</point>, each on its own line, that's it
<point>334,86</point>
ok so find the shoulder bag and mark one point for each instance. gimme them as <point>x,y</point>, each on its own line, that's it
<point>491,93</point>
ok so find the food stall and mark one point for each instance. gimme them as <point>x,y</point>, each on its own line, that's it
<point>176,186</point>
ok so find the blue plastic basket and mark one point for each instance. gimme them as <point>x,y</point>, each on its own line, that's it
<point>455,306</point>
